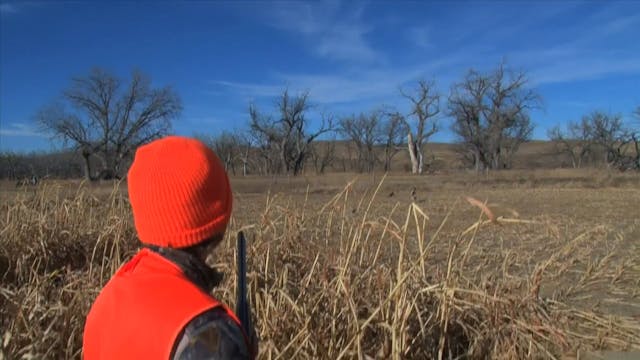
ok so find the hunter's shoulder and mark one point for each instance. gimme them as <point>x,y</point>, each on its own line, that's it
<point>212,334</point>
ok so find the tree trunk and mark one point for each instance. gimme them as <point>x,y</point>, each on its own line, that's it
<point>387,159</point>
<point>636,142</point>
<point>495,161</point>
<point>87,166</point>
<point>245,159</point>
<point>415,155</point>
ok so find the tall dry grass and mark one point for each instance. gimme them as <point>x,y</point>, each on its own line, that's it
<point>339,279</point>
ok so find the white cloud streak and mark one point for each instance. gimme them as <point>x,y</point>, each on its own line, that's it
<point>349,87</point>
<point>588,56</point>
<point>420,36</point>
<point>568,70</point>
<point>21,129</point>
<point>582,53</point>
<point>6,8</point>
<point>331,30</point>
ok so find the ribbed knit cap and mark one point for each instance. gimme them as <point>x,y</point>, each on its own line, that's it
<point>179,191</point>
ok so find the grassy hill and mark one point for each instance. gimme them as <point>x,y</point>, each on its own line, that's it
<point>444,156</point>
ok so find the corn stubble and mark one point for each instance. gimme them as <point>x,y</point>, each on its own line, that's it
<point>336,280</point>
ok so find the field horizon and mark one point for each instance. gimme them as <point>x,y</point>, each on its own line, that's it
<point>440,159</point>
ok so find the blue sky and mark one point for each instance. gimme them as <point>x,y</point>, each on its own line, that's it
<point>351,56</point>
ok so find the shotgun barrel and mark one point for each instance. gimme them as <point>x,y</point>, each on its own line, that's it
<point>243,309</point>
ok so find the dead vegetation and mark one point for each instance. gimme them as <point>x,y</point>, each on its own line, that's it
<point>353,273</point>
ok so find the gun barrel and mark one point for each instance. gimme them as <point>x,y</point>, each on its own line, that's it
<point>242,303</point>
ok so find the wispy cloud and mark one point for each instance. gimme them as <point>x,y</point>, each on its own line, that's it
<point>591,55</point>
<point>7,8</point>
<point>584,69</point>
<point>420,36</point>
<point>346,87</point>
<point>251,89</point>
<point>333,30</point>
<point>621,24</point>
<point>579,52</point>
<point>21,129</point>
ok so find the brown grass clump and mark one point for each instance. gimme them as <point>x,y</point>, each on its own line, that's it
<point>55,255</point>
<point>350,277</point>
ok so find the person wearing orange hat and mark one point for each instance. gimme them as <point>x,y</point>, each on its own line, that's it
<point>158,305</point>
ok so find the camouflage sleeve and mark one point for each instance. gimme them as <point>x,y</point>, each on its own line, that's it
<point>211,335</point>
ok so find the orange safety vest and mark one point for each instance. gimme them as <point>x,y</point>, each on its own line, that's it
<point>142,310</point>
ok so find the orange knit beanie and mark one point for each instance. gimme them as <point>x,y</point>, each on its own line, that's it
<point>179,191</point>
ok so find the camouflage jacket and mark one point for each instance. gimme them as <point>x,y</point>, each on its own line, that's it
<point>212,334</point>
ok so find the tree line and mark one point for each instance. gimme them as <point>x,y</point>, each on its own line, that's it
<point>599,138</point>
<point>103,120</point>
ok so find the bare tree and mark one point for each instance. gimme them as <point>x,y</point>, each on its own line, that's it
<point>393,130</point>
<point>609,135</point>
<point>226,145</point>
<point>425,106</point>
<point>39,165</point>
<point>287,136</point>
<point>466,107</point>
<point>110,121</point>
<point>323,154</point>
<point>11,166</point>
<point>245,147</point>
<point>268,161</point>
<point>575,142</point>
<point>602,134</point>
<point>364,132</point>
<point>635,137</point>
<point>491,115</point>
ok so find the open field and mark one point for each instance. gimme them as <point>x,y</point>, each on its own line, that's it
<point>354,266</point>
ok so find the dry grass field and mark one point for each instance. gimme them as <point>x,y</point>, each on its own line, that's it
<point>510,265</point>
